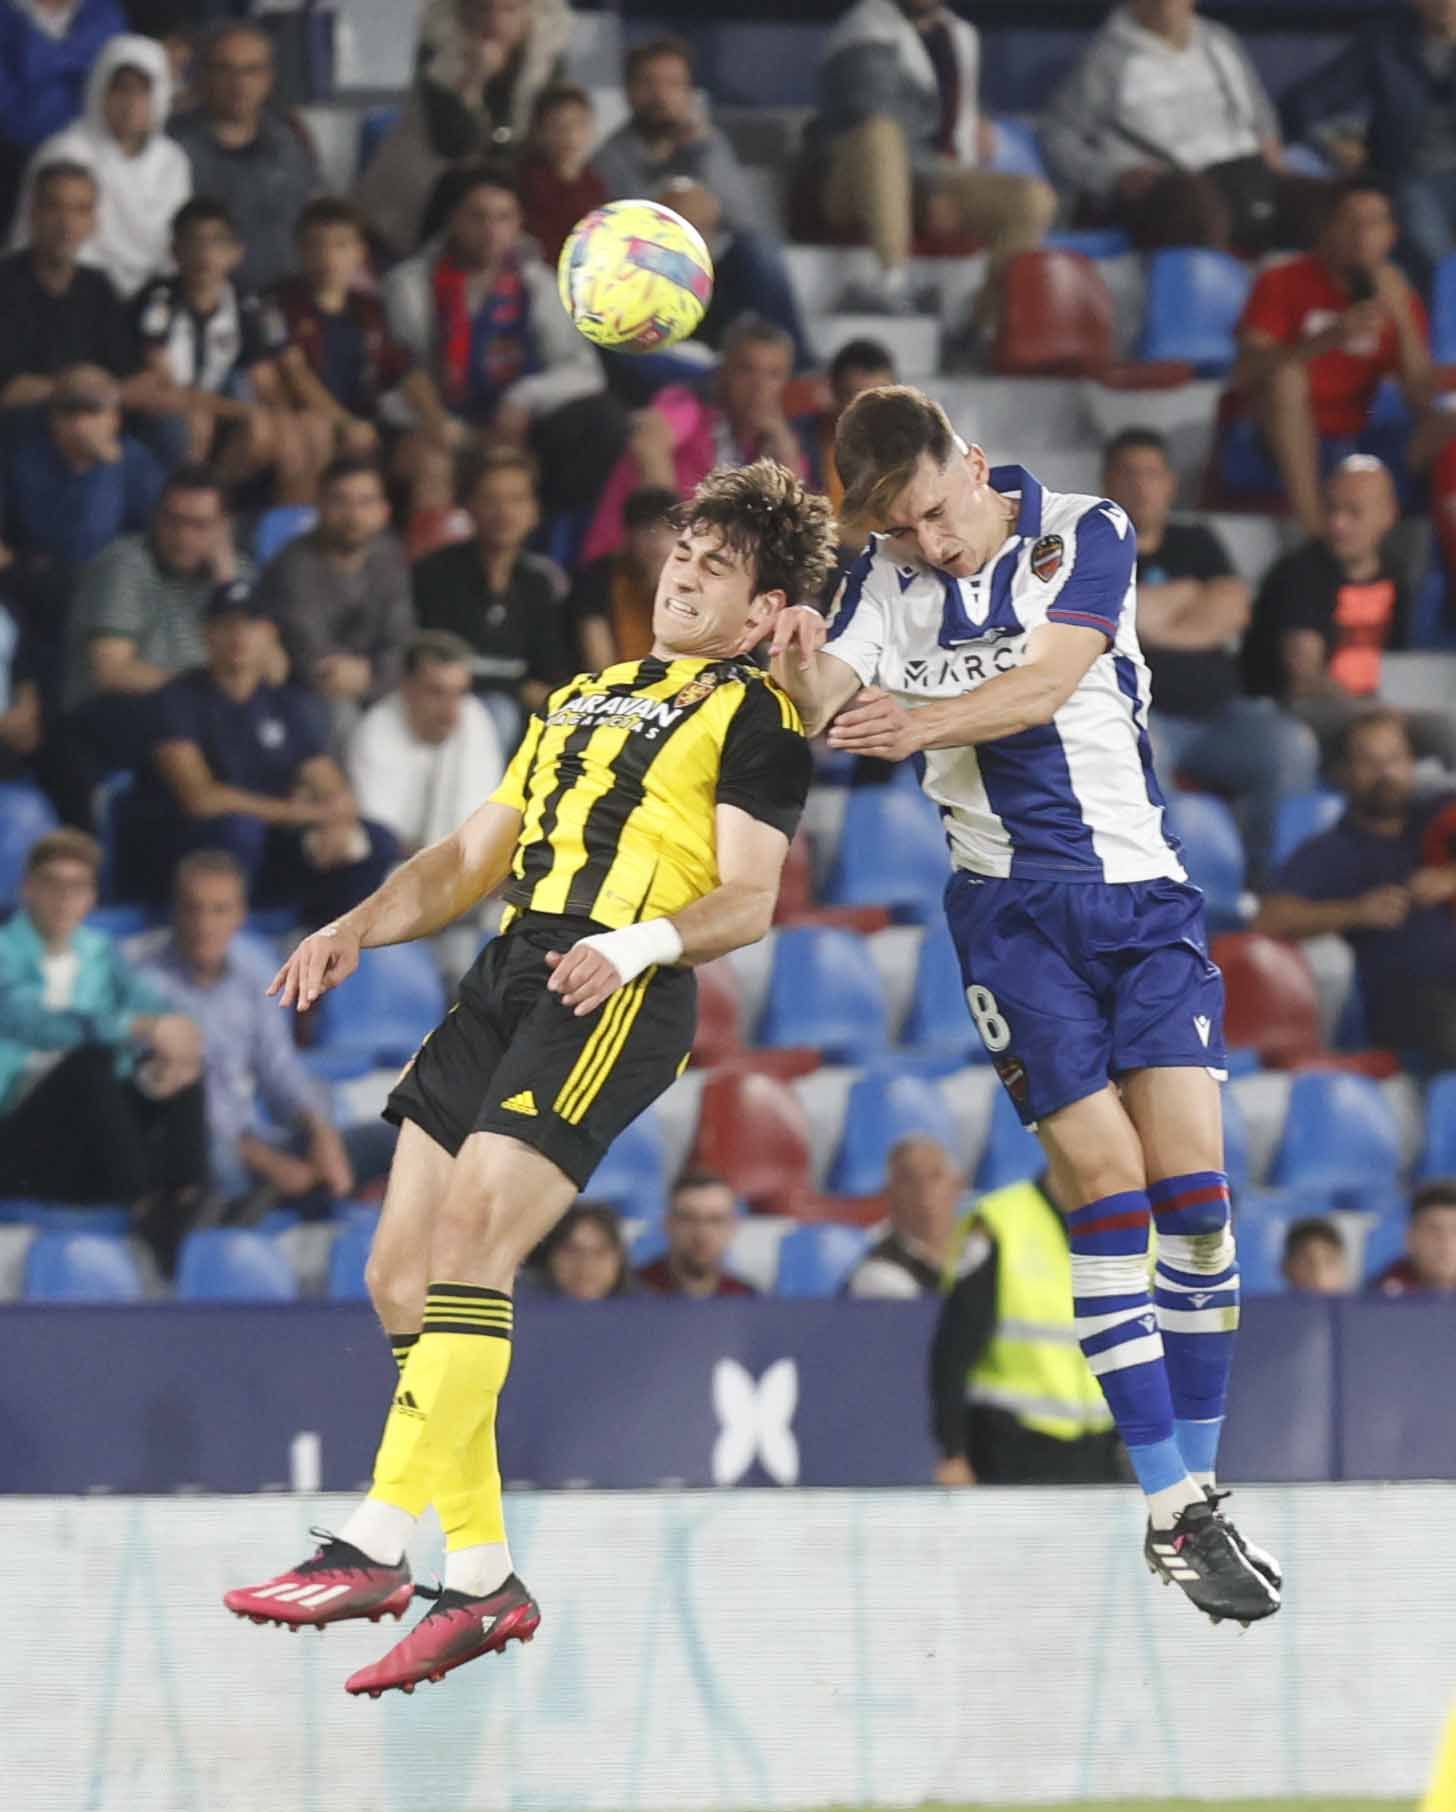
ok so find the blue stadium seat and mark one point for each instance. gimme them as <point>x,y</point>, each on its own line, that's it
<point>66,1217</point>
<point>81,1267</point>
<point>1213,854</point>
<point>1439,1157</point>
<point>1443,312</point>
<point>386,1007</point>
<point>883,1108</point>
<point>824,991</point>
<point>1262,1222</point>
<point>374,128</point>
<point>1091,242</point>
<point>1340,1133</point>
<point>1012,1152</point>
<point>1301,816</point>
<point>106,807</point>
<point>815,1259</point>
<point>507,717</point>
<point>226,1264</point>
<point>938,1019</point>
<point>123,921</point>
<point>346,1260</point>
<point>632,1177</point>
<point>1194,300</point>
<point>285,522</point>
<point>1017,152</point>
<point>1380,1219</point>
<point>25,815</point>
<point>891,853</point>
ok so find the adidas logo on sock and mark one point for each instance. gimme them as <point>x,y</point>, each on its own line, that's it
<point>524,1103</point>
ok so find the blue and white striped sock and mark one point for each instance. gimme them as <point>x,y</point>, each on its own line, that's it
<point>1117,1329</point>
<point>1196,1289</point>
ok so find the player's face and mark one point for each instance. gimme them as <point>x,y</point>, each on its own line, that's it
<point>943,515</point>
<point>433,698</point>
<point>209,912</point>
<point>1318,1267</point>
<point>706,602</point>
<point>63,215</point>
<point>503,509</point>
<point>57,898</point>
<point>332,257</point>
<point>1381,772</point>
<point>586,1265</point>
<point>128,105</point>
<point>700,1227</point>
<point>352,511</point>
<point>1432,1244</point>
<point>1143,482</point>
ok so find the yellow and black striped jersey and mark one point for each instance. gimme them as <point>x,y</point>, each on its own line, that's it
<point>619,774</point>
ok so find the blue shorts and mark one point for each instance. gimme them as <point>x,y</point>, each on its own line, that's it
<point>1074,983</point>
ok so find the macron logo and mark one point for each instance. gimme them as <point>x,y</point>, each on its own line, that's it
<point>755,1418</point>
<point>1203,1025</point>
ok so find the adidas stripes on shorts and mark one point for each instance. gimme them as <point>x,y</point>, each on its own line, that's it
<point>510,1058</point>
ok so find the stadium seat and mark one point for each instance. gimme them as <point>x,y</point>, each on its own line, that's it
<point>1194,299</point>
<point>815,1259</point>
<point>347,1258</point>
<point>718,1036</point>
<point>938,1019</point>
<point>81,1267</point>
<point>1091,242</point>
<point>375,126</point>
<point>1262,1222</point>
<point>285,522</point>
<point>122,922</point>
<point>895,952</point>
<point>505,714</point>
<point>1235,1143</point>
<point>105,805</point>
<point>1056,318</point>
<point>1012,1152</point>
<point>66,1217</point>
<point>796,883</point>
<point>1301,816</point>
<point>1016,150</point>
<point>883,1109</point>
<point>226,1264</point>
<point>389,1004</point>
<point>754,1253</point>
<point>1439,1156</point>
<point>891,853</point>
<point>25,815</point>
<point>824,992</point>
<point>1271,1004</point>
<point>1213,854</point>
<point>1340,1133</point>
<point>752,1132</point>
<point>1443,312</point>
<point>632,1177</point>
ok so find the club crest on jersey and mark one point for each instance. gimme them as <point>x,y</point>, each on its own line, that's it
<point>1046,557</point>
<point>695,691</point>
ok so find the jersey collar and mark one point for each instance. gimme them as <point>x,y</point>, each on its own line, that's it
<point>955,626</point>
<point>1007,479</point>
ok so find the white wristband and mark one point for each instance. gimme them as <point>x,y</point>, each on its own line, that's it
<point>636,947</point>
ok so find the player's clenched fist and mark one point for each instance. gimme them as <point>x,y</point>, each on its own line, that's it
<point>320,962</point>
<point>583,977</point>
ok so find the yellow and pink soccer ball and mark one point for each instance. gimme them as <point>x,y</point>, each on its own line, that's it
<point>635,276</point>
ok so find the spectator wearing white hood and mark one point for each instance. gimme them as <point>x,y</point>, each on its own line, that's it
<point>143,176</point>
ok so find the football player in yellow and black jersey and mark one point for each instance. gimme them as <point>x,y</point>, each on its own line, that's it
<point>640,829</point>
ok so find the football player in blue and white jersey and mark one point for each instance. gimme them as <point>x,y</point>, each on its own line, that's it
<point>988,630</point>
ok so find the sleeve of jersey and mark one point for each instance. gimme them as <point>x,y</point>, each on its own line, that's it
<point>766,767</point>
<point>857,621</point>
<point>512,788</point>
<point>1095,590</point>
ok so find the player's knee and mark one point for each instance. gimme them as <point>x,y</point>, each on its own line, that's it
<point>396,1289</point>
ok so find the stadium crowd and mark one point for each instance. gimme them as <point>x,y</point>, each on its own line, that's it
<point>307,497</point>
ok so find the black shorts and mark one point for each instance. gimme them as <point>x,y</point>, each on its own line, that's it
<point>510,1058</point>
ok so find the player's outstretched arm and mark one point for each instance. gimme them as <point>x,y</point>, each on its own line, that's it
<point>427,893</point>
<point>817,681</point>
<point>738,911</point>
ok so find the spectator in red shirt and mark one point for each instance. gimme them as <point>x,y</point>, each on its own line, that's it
<point>558,184</point>
<point>1319,335</point>
<point>1430,1245</point>
<point>700,1221</point>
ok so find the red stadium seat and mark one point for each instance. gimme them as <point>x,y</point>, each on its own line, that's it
<point>1272,1006</point>
<point>719,1035</point>
<point>1056,318</point>
<point>796,888</point>
<point>752,1131</point>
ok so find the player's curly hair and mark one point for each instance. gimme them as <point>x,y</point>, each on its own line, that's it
<point>770,516</point>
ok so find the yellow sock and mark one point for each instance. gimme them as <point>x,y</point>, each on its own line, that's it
<point>402,1345</point>
<point>439,1442</point>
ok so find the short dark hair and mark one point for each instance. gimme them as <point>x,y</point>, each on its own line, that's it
<point>649,503</point>
<point>64,169</point>
<point>1309,1230</point>
<point>1134,440</point>
<point>350,465</point>
<point>699,1179</point>
<point>592,1214</point>
<point>203,210</point>
<point>64,845</point>
<point>192,475</point>
<point>640,55</point>
<point>861,355</point>
<point>330,211</point>
<point>1336,194</point>
<point>456,184</point>
<point>1366,719</point>
<point>559,94</point>
<point>756,330</point>
<point>485,462</point>
<point>768,514</point>
<point>1440,1192</point>
<point>880,440</point>
<point>210,862</point>
<point>436,648</point>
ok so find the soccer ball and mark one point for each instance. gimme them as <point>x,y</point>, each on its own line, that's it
<point>635,275</point>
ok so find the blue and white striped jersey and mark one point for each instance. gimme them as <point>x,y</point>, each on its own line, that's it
<point>1072,800</point>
